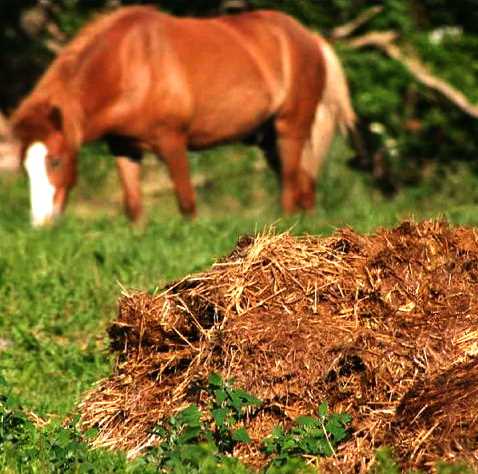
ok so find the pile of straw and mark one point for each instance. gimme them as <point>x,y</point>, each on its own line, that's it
<point>383,327</point>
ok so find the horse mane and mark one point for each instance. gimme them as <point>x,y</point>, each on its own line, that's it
<point>52,89</point>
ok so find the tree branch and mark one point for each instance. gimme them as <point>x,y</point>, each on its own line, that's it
<point>348,28</point>
<point>384,41</point>
<point>9,149</point>
<point>4,127</point>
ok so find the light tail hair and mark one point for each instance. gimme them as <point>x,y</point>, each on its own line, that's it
<point>334,111</point>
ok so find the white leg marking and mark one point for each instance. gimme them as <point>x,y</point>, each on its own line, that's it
<point>42,191</point>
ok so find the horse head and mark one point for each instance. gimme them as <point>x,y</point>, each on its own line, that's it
<point>48,157</point>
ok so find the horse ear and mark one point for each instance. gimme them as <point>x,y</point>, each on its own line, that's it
<point>56,117</point>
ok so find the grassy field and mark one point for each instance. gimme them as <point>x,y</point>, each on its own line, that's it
<point>59,286</point>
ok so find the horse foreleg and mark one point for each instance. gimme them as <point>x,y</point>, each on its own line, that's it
<point>172,150</point>
<point>130,175</point>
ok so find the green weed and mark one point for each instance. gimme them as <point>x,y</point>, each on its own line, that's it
<point>317,436</point>
<point>190,435</point>
<point>194,441</point>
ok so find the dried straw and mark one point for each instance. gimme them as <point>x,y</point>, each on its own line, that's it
<point>384,327</point>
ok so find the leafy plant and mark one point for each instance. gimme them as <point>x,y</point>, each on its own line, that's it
<point>228,409</point>
<point>317,436</point>
<point>12,421</point>
<point>190,435</point>
<point>193,441</point>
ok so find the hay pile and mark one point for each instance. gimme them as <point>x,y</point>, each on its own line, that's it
<point>383,327</point>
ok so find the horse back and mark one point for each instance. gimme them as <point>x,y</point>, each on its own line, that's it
<point>246,67</point>
<point>305,64</point>
<point>188,74</point>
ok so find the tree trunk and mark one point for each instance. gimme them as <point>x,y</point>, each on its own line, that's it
<point>9,148</point>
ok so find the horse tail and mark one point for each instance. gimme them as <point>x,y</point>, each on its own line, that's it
<point>333,110</point>
<point>337,94</point>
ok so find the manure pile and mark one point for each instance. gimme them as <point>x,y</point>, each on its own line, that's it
<point>384,327</point>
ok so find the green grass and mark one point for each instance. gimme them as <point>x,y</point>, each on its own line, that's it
<point>59,286</point>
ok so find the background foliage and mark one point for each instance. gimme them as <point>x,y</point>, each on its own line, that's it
<point>419,132</point>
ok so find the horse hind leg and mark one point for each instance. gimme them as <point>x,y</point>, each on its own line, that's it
<point>306,185</point>
<point>266,140</point>
<point>290,151</point>
<point>292,132</point>
<point>314,153</point>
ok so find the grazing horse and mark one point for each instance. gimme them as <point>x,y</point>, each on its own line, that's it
<point>145,80</point>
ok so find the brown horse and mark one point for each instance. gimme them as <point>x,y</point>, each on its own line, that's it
<point>142,79</point>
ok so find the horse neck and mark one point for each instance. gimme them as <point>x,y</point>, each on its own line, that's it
<point>55,88</point>
<point>72,114</point>
<point>73,123</point>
